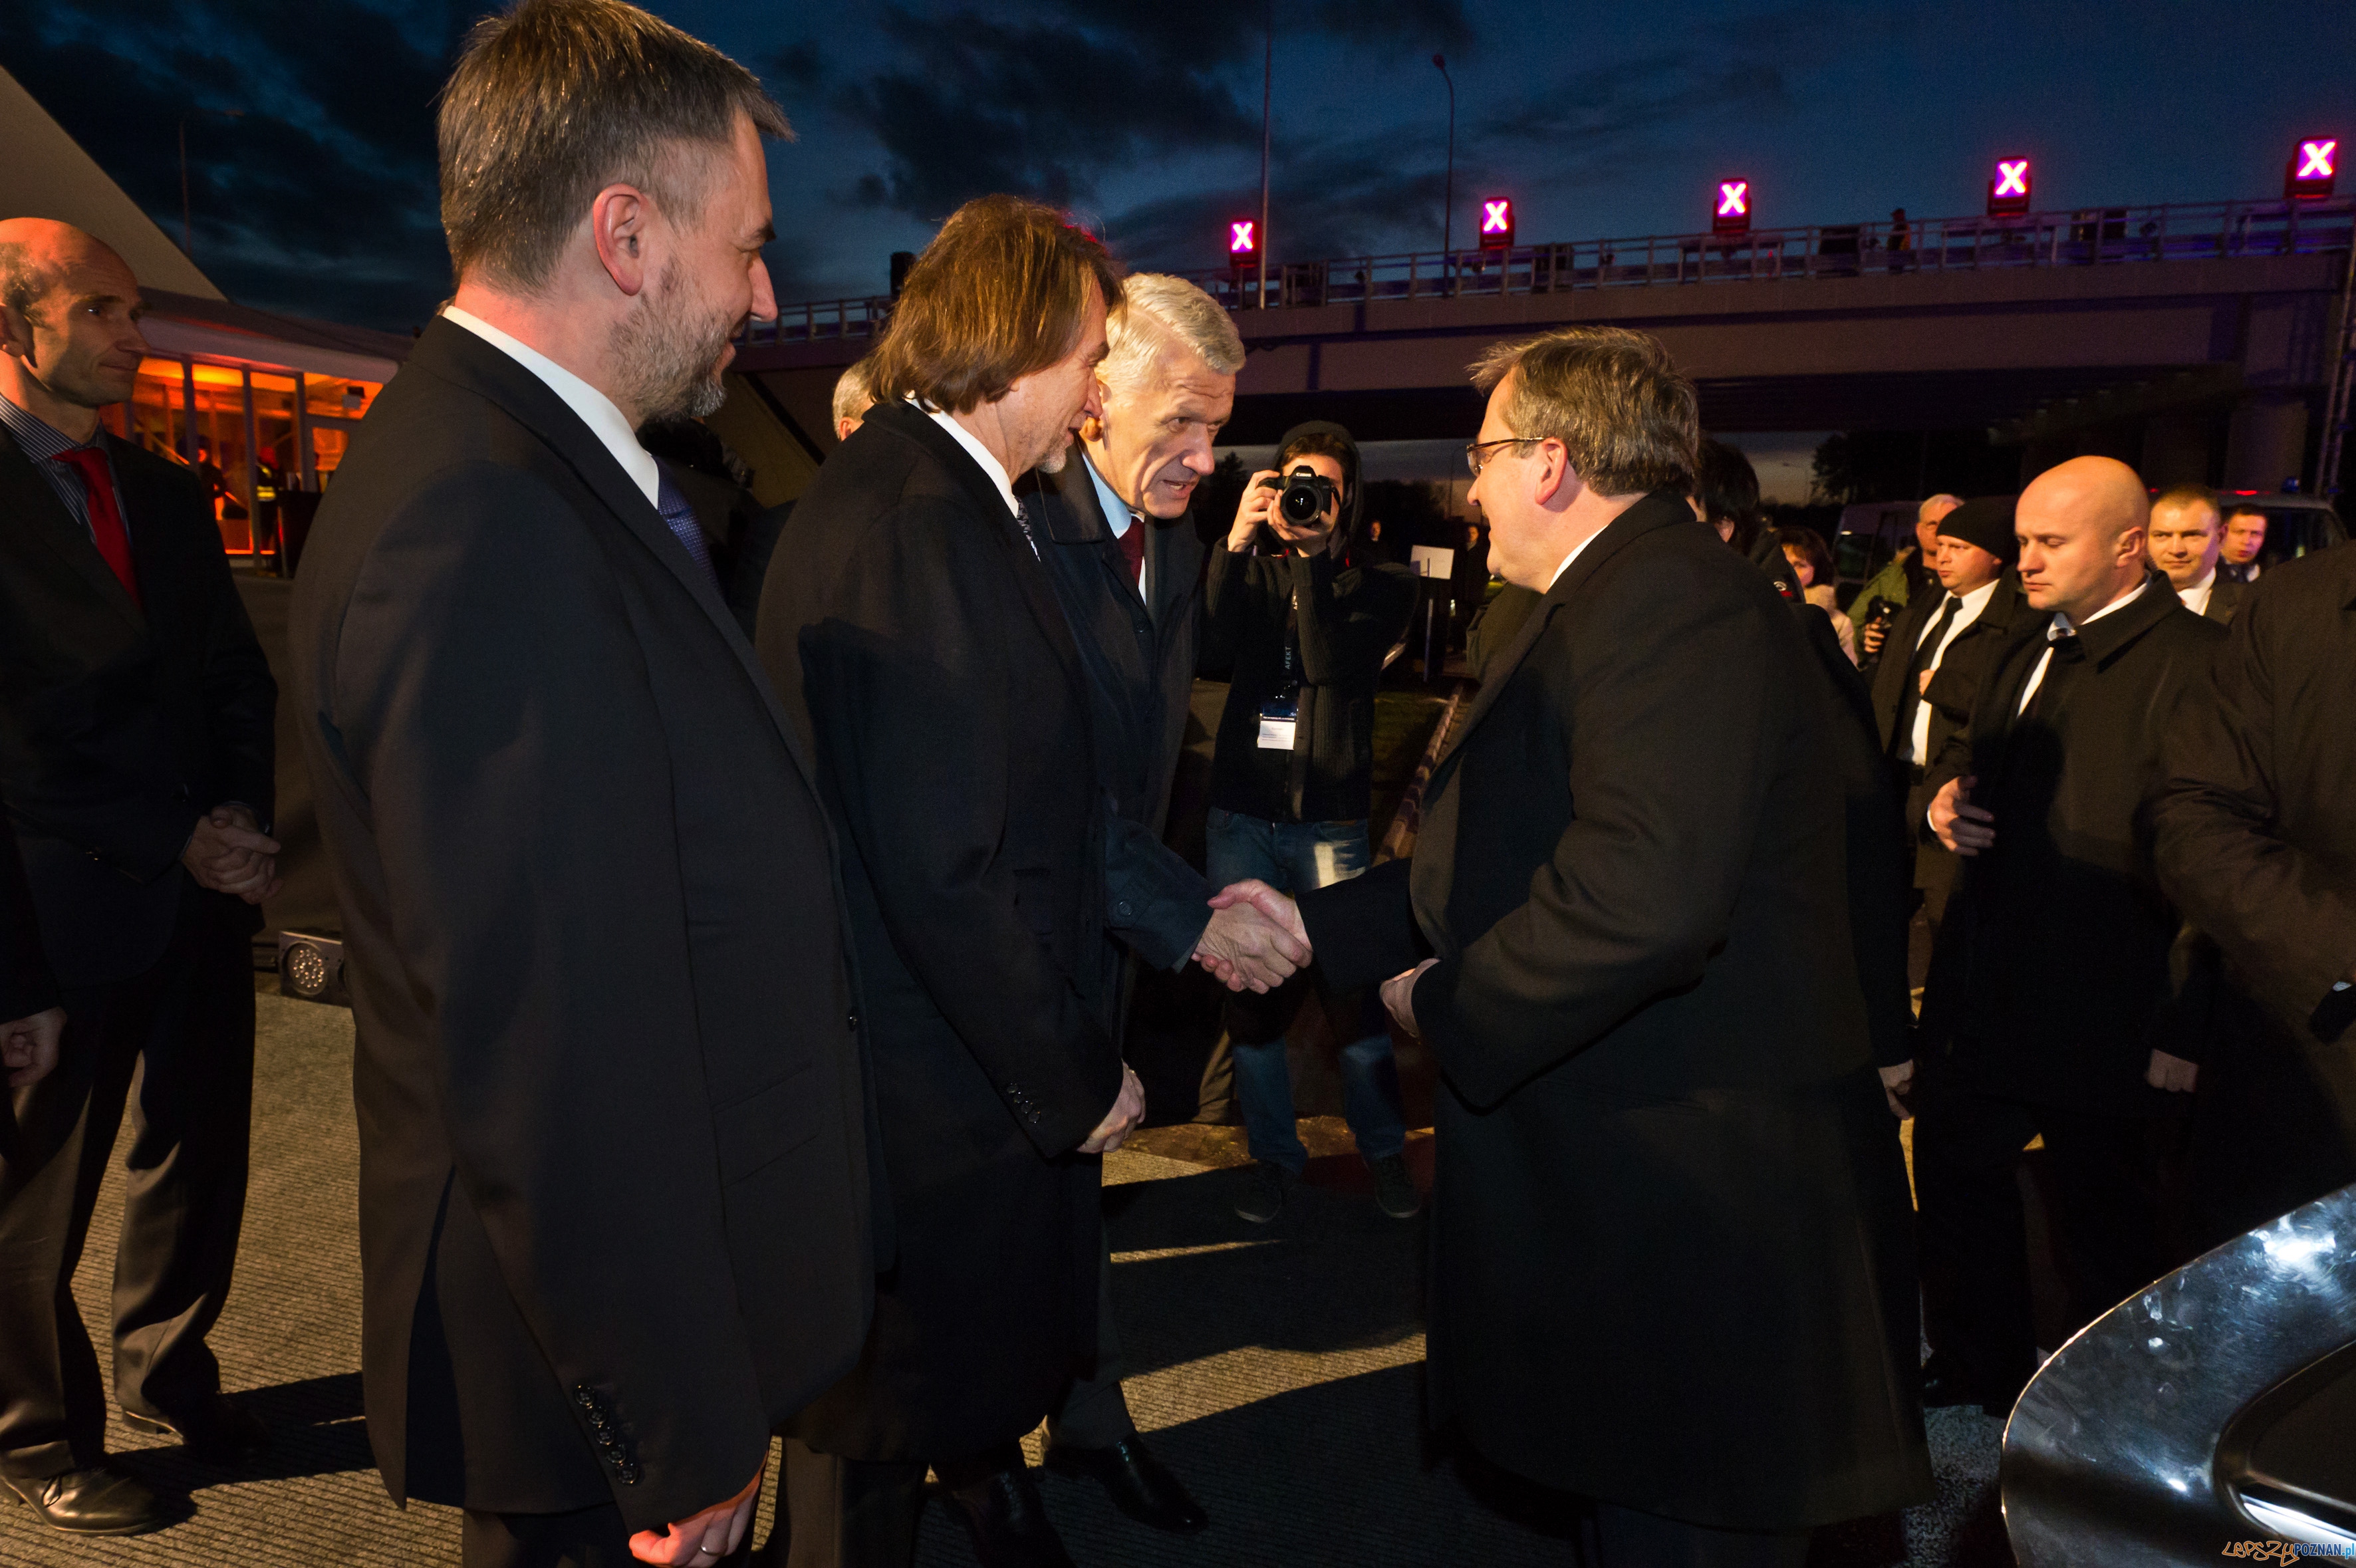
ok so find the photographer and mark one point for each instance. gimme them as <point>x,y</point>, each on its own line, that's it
<point>1303,624</point>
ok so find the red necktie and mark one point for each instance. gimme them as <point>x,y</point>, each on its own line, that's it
<point>1132,550</point>
<point>105,516</point>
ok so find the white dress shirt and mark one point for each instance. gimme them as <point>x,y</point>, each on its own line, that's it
<point>2196,597</point>
<point>1570,558</point>
<point>598,411</point>
<point>980,454</point>
<point>1973,603</point>
<point>1121,520</point>
<point>2061,629</point>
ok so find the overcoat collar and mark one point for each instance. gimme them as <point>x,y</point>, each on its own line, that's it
<point>451,353</point>
<point>1661,509</point>
<point>25,494</point>
<point>2105,640</point>
<point>912,424</point>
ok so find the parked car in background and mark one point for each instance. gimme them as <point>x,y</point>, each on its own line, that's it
<point>2295,524</point>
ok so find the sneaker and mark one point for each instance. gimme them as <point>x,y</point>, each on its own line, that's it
<point>1263,1197</point>
<point>1394,1188</point>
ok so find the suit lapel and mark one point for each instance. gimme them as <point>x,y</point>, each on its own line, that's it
<point>25,494</point>
<point>457,355</point>
<point>1030,570</point>
<point>1646,515</point>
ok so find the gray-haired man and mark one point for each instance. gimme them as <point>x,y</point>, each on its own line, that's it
<point>1127,570</point>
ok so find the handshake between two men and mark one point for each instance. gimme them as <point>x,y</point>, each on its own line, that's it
<point>1256,939</point>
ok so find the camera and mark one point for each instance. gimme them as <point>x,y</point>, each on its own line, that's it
<point>1302,495</point>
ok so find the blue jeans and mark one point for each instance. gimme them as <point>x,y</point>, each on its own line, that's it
<point>1295,857</point>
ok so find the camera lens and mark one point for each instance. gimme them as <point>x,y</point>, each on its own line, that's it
<point>1300,503</point>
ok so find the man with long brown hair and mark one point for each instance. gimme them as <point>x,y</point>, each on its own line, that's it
<point>910,622</point>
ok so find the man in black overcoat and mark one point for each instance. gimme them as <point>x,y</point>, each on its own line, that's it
<point>614,1222</point>
<point>2050,1007</point>
<point>1121,548</point>
<point>2257,842</point>
<point>1660,1220</point>
<point>1930,671</point>
<point>136,759</point>
<point>911,621</point>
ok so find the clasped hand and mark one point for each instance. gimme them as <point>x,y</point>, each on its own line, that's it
<point>704,1540</point>
<point>28,1046</point>
<point>1963,827</point>
<point>228,853</point>
<point>1255,939</point>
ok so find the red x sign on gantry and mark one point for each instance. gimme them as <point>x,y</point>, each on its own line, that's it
<point>2008,187</point>
<point>1497,224</point>
<point>1242,238</point>
<point>1734,214</point>
<point>2311,171</point>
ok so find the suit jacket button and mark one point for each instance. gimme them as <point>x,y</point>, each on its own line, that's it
<point>851,1020</point>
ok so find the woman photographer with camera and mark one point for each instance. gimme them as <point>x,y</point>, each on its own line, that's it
<point>1302,623</point>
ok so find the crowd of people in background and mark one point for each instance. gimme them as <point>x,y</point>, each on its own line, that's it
<point>745,908</point>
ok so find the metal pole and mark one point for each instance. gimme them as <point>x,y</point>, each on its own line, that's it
<point>253,466</point>
<point>1448,197</point>
<point>187,229</point>
<point>1267,120</point>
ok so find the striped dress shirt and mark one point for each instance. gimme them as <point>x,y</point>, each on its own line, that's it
<point>42,442</point>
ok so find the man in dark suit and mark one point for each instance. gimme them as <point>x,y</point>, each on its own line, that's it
<point>2048,1007</point>
<point>2255,839</point>
<point>1636,975</point>
<point>613,1199</point>
<point>135,713</point>
<point>1939,648</point>
<point>2187,537</point>
<point>1127,567</point>
<point>918,634</point>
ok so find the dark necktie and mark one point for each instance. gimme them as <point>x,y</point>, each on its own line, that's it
<point>1132,550</point>
<point>2069,660</point>
<point>106,528</point>
<point>679,513</point>
<point>1911,699</point>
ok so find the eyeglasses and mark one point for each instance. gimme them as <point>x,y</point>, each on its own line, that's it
<point>1473,450</point>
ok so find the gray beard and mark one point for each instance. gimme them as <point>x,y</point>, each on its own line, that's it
<point>669,352</point>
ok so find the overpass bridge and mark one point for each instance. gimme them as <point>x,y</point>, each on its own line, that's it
<point>2207,341</point>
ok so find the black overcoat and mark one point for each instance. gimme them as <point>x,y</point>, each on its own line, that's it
<point>614,1189</point>
<point>2050,980</point>
<point>2254,819</point>
<point>122,722</point>
<point>908,616</point>
<point>1661,1211</point>
<point>1139,659</point>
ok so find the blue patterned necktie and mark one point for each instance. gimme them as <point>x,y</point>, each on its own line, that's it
<point>678,512</point>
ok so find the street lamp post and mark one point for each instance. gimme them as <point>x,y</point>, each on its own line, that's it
<point>1266,101</point>
<point>1448,200</point>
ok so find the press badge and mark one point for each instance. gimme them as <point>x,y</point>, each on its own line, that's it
<point>1279,717</point>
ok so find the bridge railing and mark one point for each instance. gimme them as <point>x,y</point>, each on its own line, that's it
<point>2086,237</point>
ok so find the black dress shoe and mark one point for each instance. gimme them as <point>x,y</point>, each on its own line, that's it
<point>1009,1524</point>
<point>1945,1384</point>
<point>1140,1485</point>
<point>101,1500</point>
<point>221,1434</point>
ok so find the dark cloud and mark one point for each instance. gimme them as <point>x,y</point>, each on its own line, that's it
<point>974,103</point>
<point>310,131</point>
